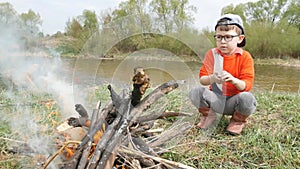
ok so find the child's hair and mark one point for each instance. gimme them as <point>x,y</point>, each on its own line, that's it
<point>229,27</point>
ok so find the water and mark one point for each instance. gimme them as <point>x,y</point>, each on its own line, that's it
<point>277,78</point>
<point>95,72</point>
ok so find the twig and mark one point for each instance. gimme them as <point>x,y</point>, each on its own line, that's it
<point>273,88</point>
<point>59,151</point>
<point>158,159</point>
<point>29,79</point>
<point>8,139</point>
<point>155,116</point>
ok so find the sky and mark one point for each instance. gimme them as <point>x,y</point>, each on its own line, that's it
<point>55,13</point>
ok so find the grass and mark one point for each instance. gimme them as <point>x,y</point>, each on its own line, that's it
<point>269,140</point>
<point>24,118</point>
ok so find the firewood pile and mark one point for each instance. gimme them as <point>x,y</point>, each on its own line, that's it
<point>121,135</point>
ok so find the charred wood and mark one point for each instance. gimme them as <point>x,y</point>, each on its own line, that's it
<point>141,82</point>
<point>81,110</point>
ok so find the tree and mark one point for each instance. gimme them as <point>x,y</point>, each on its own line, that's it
<point>31,21</point>
<point>271,26</point>
<point>173,15</point>
<point>182,13</point>
<point>270,11</point>
<point>239,10</point>
<point>8,14</point>
<point>265,11</point>
<point>132,16</point>
<point>81,28</point>
<point>161,8</point>
<point>89,21</point>
<point>293,14</point>
<point>74,28</point>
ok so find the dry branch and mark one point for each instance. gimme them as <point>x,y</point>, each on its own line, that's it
<point>158,159</point>
<point>155,116</point>
<point>124,126</point>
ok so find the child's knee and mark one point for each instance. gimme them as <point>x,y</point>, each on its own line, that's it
<point>247,103</point>
<point>195,95</point>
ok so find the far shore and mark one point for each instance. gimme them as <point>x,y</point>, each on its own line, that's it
<point>286,61</point>
<point>289,62</point>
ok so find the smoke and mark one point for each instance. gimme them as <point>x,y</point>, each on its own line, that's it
<point>33,71</point>
<point>27,74</point>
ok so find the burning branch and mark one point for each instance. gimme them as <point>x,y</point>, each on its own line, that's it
<point>116,132</point>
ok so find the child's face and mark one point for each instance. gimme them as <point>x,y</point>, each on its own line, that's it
<point>224,44</point>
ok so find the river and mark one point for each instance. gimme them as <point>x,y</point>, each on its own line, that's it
<point>95,72</point>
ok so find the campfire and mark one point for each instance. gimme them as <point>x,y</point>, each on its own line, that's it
<point>120,135</point>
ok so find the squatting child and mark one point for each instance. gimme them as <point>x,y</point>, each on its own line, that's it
<point>228,70</point>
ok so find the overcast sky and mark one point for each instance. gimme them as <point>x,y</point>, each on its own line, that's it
<point>55,13</point>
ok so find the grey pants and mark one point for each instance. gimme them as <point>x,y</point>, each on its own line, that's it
<point>244,102</point>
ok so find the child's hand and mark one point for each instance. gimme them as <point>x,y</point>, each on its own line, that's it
<point>227,77</point>
<point>216,78</point>
<point>239,84</point>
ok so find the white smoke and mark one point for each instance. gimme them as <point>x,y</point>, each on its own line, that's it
<point>26,74</point>
<point>36,72</point>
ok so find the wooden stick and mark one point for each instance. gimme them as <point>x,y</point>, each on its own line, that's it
<point>114,142</point>
<point>169,134</point>
<point>58,152</point>
<point>17,141</point>
<point>143,146</point>
<point>84,158</point>
<point>86,152</point>
<point>123,111</point>
<point>98,126</point>
<point>29,79</point>
<point>158,159</point>
<point>155,116</point>
<point>116,132</point>
<point>150,99</point>
<point>106,137</point>
<point>273,88</point>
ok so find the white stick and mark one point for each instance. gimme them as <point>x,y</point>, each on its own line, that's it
<point>273,88</point>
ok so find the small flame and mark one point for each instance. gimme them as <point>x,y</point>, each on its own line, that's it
<point>68,135</point>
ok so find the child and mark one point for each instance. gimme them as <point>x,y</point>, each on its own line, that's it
<point>229,72</point>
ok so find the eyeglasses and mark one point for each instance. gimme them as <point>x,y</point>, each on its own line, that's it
<point>227,38</point>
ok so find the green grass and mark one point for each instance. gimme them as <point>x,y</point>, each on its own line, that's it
<point>24,116</point>
<point>269,140</point>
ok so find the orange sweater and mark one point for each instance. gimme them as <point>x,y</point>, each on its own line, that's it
<point>239,64</point>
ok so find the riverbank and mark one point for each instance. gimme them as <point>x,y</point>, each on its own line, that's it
<point>286,61</point>
<point>290,62</point>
